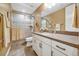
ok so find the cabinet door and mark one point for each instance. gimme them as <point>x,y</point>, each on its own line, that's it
<point>55,52</point>
<point>46,50</point>
<point>34,43</point>
<point>38,47</point>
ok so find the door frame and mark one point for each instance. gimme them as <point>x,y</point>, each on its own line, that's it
<point>2,20</point>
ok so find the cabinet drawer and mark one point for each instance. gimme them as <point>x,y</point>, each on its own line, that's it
<point>56,53</point>
<point>68,50</point>
<point>37,37</point>
<point>45,40</point>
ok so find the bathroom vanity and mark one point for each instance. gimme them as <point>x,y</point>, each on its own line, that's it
<point>51,44</point>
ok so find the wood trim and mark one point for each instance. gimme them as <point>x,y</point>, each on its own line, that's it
<point>2,22</point>
<point>78,15</point>
<point>2,32</point>
<point>8,49</point>
<point>68,33</point>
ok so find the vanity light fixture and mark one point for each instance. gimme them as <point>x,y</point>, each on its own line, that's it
<point>49,5</point>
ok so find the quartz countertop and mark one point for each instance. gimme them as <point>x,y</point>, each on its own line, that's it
<point>66,39</point>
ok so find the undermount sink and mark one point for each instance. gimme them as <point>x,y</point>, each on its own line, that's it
<point>46,33</point>
<point>49,34</point>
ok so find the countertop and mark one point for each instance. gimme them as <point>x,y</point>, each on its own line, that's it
<point>65,39</point>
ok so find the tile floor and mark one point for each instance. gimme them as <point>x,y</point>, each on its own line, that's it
<point>19,48</point>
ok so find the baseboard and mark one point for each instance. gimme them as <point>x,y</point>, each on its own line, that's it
<point>8,50</point>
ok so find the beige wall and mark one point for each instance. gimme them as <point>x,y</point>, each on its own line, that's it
<point>37,15</point>
<point>37,23</point>
<point>58,17</point>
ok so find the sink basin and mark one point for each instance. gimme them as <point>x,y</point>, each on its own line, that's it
<point>46,33</point>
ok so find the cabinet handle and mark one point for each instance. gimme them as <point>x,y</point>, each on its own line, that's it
<point>51,53</point>
<point>60,47</point>
<point>40,45</point>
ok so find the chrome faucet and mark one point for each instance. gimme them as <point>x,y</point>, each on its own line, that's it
<point>55,31</point>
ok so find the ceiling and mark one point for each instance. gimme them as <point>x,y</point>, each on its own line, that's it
<point>28,8</point>
<point>54,8</point>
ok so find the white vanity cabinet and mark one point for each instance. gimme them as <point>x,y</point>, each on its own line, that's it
<point>65,49</point>
<point>44,46</point>
<point>40,47</point>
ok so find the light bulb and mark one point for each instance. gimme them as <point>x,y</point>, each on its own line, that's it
<point>49,5</point>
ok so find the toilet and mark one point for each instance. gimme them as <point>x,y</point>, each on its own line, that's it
<point>29,41</point>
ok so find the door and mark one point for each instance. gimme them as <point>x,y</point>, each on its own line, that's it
<point>1,31</point>
<point>46,50</point>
